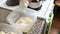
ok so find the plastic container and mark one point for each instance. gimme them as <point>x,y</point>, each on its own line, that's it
<point>9,28</point>
<point>16,14</point>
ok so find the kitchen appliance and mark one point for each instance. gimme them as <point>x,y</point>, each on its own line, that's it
<point>12,2</point>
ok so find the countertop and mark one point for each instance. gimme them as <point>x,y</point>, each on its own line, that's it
<point>3,15</point>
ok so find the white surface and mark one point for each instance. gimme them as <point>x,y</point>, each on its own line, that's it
<point>43,10</point>
<point>3,5</point>
<point>49,10</point>
<point>46,9</point>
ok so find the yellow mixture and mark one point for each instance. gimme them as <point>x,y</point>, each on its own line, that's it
<point>11,33</point>
<point>1,32</point>
<point>24,22</point>
<point>24,19</point>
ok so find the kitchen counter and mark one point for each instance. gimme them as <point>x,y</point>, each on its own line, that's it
<point>4,13</point>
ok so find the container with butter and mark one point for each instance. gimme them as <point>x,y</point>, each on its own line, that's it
<point>25,19</point>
